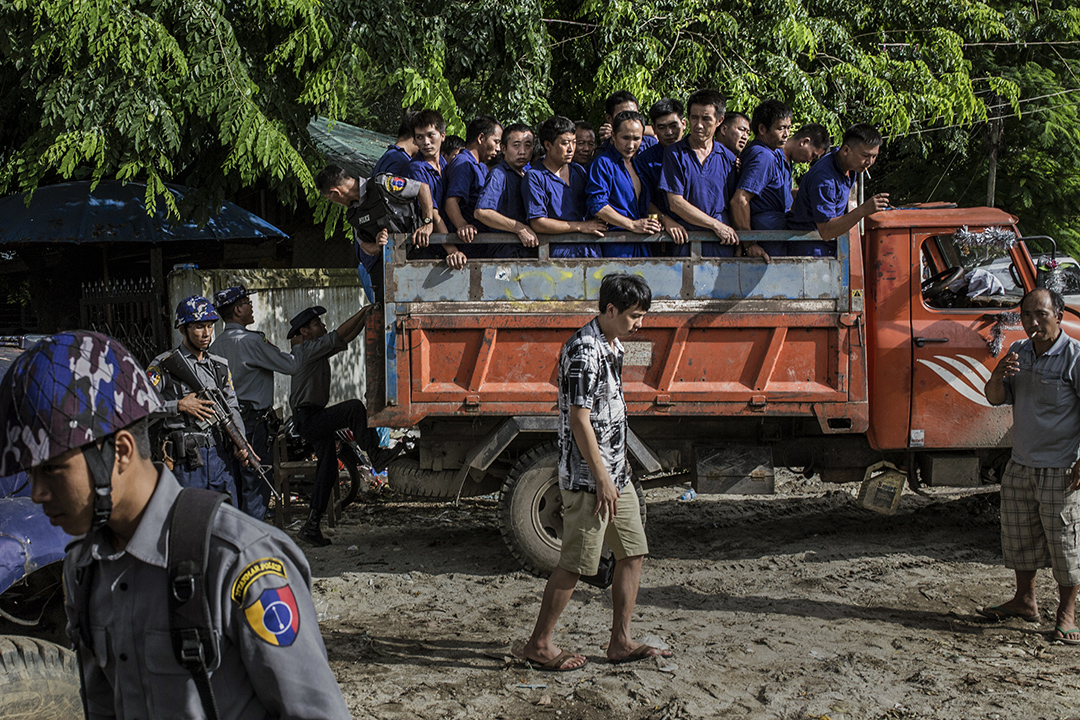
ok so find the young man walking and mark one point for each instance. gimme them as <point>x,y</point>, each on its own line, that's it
<point>599,501</point>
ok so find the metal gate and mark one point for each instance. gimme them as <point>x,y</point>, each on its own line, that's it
<point>130,311</point>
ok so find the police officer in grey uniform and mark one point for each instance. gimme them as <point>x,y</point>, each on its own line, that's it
<point>91,473</point>
<point>319,424</point>
<point>202,456</point>
<point>253,360</point>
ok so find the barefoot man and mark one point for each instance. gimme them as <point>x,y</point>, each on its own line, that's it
<point>1040,505</point>
<point>598,498</point>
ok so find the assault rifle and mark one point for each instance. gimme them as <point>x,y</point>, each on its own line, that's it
<point>175,364</point>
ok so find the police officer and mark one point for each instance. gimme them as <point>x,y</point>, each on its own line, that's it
<point>253,360</point>
<point>201,456</point>
<point>73,412</point>
<point>319,424</point>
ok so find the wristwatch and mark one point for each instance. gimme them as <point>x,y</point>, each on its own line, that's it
<point>426,221</point>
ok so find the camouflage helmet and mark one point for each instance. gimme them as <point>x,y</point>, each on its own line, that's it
<point>195,309</point>
<point>230,295</point>
<point>69,391</point>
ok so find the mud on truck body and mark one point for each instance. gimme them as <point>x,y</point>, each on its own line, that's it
<point>825,365</point>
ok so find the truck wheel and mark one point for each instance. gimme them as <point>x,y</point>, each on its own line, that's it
<point>40,681</point>
<point>530,509</point>
<point>408,478</point>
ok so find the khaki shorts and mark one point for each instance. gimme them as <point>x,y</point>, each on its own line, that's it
<point>1040,521</point>
<point>584,534</point>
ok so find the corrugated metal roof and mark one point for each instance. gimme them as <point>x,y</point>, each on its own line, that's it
<point>351,147</point>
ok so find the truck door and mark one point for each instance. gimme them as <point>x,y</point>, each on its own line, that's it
<point>964,315</point>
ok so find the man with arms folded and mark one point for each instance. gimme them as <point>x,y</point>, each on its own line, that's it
<point>822,201</point>
<point>1040,488</point>
<point>429,131</point>
<point>599,502</point>
<point>499,206</point>
<point>465,176</point>
<point>699,176</point>
<point>554,192</point>
<point>616,194</point>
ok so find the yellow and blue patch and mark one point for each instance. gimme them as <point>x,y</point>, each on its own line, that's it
<point>274,617</point>
<point>154,374</point>
<point>395,184</point>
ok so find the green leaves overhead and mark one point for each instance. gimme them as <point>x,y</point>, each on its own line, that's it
<point>216,95</point>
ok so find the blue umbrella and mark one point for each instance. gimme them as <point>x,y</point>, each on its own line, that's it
<point>116,212</point>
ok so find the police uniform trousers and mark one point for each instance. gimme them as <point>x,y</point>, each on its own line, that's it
<point>254,493</point>
<point>219,472</point>
<point>318,426</point>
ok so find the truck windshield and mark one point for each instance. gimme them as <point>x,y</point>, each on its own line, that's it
<point>957,275</point>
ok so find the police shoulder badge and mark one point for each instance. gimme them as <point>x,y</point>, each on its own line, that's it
<point>395,184</point>
<point>254,571</point>
<point>154,374</point>
<point>274,617</point>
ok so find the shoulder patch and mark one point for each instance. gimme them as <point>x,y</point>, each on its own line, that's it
<point>254,571</point>
<point>154,374</point>
<point>394,184</point>
<point>274,617</point>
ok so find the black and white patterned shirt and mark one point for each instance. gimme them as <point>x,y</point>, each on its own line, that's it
<point>590,376</point>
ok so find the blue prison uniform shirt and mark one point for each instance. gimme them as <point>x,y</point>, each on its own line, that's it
<point>422,171</point>
<point>394,161</point>
<point>707,186</point>
<point>502,193</point>
<point>650,161</point>
<point>546,196</point>
<point>610,184</point>
<point>823,195</point>
<point>465,176</point>
<point>766,174</point>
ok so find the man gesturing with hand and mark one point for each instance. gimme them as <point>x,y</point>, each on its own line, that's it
<point>1040,505</point>
<point>599,501</point>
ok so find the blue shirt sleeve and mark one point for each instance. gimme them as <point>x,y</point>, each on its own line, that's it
<point>492,192</point>
<point>598,188</point>
<point>672,173</point>
<point>460,179</point>
<point>420,171</point>
<point>756,169</point>
<point>534,197</point>
<point>826,202</point>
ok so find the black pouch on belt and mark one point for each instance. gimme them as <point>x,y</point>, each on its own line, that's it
<point>193,459</point>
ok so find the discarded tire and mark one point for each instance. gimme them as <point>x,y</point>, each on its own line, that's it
<point>39,680</point>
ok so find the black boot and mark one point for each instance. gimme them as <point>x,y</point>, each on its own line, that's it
<point>311,533</point>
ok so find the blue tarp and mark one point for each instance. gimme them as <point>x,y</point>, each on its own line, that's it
<point>116,212</point>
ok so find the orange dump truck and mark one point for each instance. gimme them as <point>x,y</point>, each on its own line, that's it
<point>825,365</point>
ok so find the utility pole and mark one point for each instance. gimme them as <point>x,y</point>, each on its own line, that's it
<point>994,133</point>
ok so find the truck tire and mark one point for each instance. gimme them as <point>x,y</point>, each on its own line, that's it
<point>407,477</point>
<point>40,680</point>
<point>530,509</point>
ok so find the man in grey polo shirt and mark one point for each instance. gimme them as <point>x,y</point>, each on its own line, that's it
<point>319,424</point>
<point>1040,505</point>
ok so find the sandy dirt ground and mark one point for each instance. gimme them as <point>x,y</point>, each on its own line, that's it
<point>799,605</point>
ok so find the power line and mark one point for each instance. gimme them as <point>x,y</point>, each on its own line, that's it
<point>998,117</point>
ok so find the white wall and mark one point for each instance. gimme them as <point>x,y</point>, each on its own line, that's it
<point>279,295</point>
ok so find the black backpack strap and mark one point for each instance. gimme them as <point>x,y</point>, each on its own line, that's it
<point>189,611</point>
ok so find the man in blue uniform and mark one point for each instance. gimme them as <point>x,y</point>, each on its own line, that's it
<point>618,102</point>
<point>429,131</point>
<point>202,456</point>
<point>669,123</point>
<point>465,177</point>
<point>699,176</point>
<point>395,161</point>
<point>253,360</point>
<point>822,201</point>
<point>763,195</point>
<point>615,192</point>
<point>87,407</point>
<point>554,191</point>
<point>585,150</point>
<point>734,132</point>
<point>499,206</point>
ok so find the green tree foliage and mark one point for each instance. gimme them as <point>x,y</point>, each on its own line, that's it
<point>212,94</point>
